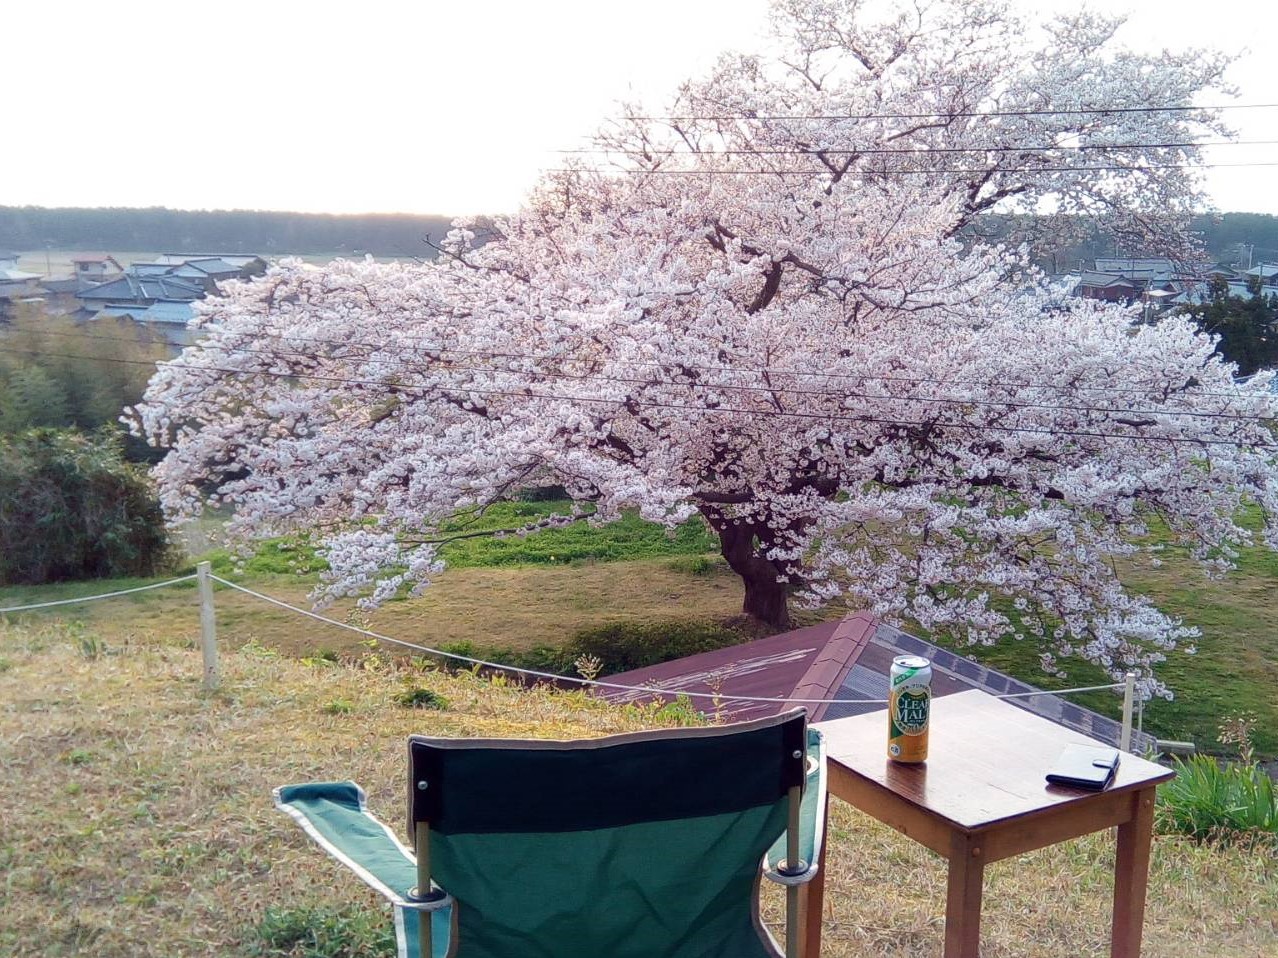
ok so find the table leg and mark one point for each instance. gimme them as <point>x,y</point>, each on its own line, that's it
<point>812,900</point>
<point>1131,877</point>
<point>963,900</point>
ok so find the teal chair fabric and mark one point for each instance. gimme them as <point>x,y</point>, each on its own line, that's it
<point>632,846</point>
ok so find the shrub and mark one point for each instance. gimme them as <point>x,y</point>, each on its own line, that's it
<point>419,698</point>
<point>623,646</point>
<point>72,508</point>
<point>1208,800</point>
<point>324,933</point>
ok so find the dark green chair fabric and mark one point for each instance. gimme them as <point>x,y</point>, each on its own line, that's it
<point>632,846</point>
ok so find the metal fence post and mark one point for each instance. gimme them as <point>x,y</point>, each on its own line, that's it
<point>1129,696</point>
<point>208,627</point>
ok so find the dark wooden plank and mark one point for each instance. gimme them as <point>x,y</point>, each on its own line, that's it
<point>1131,877</point>
<point>963,898</point>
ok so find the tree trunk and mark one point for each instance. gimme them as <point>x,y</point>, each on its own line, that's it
<point>765,598</point>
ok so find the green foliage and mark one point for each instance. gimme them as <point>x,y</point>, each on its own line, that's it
<point>53,374</point>
<point>72,508</point>
<point>290,556</point>
<point>323,933</point>
<point>420,698</point>
<point>630,537</point>
<point>618,647</point>
<point>1210,801</point>
<point>339,707</point>
<point>1248,328</point>
<point>623,646</point>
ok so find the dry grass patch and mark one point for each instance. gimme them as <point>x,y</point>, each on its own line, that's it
<point>516,607</point>
<point>138,818</point>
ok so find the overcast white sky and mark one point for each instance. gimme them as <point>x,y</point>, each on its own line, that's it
<point>415,105</point>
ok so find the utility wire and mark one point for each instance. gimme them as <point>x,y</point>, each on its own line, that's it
<point>441,365</point>
<point>962,114</point>
<point>598,683</point>
<point>912,151</point>
<point>866,171</point>
<point>645,404</point>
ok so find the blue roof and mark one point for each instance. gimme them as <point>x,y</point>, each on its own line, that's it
<point>166,312</point>
<point>131,286</point>
<point>170,313</point>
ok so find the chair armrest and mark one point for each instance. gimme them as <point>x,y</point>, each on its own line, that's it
<point>336,816</point>
<point>811,821</point>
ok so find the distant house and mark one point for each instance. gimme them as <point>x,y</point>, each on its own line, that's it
<point>132,289</point>
<point>168,317</point>
<point>15,283</point>
<point>93,268</point>
<point>1267,273</point>
<point>247,264</point>
<point>1134,279</point>
<point>159,293</point>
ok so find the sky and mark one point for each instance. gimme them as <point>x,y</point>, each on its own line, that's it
<point>422,106</point>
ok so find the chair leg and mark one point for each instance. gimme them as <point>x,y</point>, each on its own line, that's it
<point>421,840</point>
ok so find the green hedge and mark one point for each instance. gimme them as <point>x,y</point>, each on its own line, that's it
<point>71,508</point>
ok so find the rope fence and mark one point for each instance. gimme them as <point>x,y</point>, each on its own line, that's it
<point>212,678</point>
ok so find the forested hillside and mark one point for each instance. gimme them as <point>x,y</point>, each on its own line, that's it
<point>268,232</point>
<point>1062,247</point>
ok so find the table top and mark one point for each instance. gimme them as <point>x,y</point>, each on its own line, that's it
<point>987,761</point>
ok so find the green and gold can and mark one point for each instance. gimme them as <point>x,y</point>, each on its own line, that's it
<point>909,708</point>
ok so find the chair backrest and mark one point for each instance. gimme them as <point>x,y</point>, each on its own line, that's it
<point>633,845</point>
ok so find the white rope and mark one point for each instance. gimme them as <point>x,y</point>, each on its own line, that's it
<point>1081,688</point>
<point>553,677</point>
<point>94,598</point>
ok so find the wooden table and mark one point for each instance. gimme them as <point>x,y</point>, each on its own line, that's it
<point>981,796</point>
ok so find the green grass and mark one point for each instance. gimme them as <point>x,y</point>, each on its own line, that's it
<point>531,596</point>
<point>629,537</point>
<point>179,851</point>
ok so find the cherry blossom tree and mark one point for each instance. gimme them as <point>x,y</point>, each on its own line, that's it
<point>766,306</point>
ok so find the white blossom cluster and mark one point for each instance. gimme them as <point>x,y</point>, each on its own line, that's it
<point>781,320</point>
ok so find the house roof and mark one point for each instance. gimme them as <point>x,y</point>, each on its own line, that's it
<point>1100,280</point>
<point>131,286</point>
<point>95,258</point>
<point>1131,266</point>
<point>846,660</point>
<point>166,312</point>
<point>16,275</point>
<point>239,260</point>
<point>1264,270</point>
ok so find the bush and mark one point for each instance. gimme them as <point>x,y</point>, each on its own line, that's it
<point>1207,800</point>
<point>72,508</point>
<point>623,646</point>
<point>419,698</point>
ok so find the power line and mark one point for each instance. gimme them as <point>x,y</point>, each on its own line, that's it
<point>885,172</point>
<point>534,377</point>
<point>959,114</point>
<point>645,404</point>
<point>913,151</point>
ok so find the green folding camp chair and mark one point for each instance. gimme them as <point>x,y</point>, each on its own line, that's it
<point>645,845</point>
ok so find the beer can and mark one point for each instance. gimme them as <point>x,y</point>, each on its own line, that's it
<point>909,708</point>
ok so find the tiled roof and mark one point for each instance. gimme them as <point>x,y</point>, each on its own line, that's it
<point>131,286</point>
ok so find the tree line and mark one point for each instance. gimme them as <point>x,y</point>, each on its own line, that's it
<point>230,231</point>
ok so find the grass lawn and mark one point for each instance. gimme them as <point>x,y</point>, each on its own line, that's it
<point>524,592</point>
<point>138,820</point>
